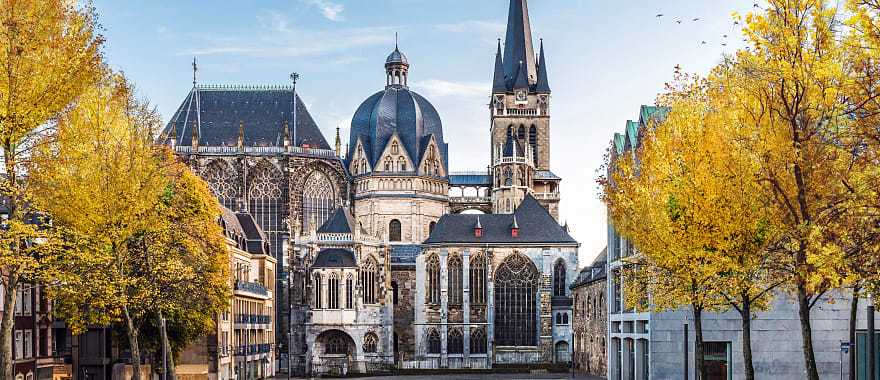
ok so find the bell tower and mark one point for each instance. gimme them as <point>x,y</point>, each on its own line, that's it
<point>520,106</point>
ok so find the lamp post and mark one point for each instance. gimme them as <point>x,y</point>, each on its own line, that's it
<point>872,343</point>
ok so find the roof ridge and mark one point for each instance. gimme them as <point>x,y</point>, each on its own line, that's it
<point>244,87</point>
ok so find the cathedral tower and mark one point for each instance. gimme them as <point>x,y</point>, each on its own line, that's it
<point>520,114</point>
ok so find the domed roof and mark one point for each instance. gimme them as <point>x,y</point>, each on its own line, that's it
<point>398,110</point>
<point>396,57</point>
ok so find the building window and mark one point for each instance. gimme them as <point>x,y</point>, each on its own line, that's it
<point>28,344</point>
<point>478,341</point>
<point>564,318</point>
<point>369,280</point>
<point>533,141</point>
<point>559,279</point>
<point>516,285</point>
<point>477,279</point>
<point>221,180</point>
<point>716,356</point>
<point>630,360</point>
<point>19,345</point>
<point>431,227</point>
<point>395,149</point>
<point>265,200</point>
<point>433,342</point>
<point>349,292</point>
<point>333,291</point>
<point>394,292</point>
<point>318,200</point>
<point>508,177</point>
<point>646,364</point>
<point>401,164</point>
<point>454,277</point>
<point>521,134</point>
<point>432,265</point>
<point>336,345</point>
<point>394,230</point>
<point>318,294</point>
<point>454,342</point>
<point>370,343</point>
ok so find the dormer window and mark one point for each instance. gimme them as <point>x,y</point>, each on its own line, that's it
<point>478,228</point>
<point>394,148</point>
<point>514,232</point>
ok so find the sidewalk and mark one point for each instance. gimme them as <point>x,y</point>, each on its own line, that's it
<point>476,376</point>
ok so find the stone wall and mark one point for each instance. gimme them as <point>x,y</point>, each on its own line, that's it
<point>590,325</point>
<point>404,313</point>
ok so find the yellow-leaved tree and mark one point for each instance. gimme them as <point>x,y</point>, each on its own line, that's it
<point>49,54</point>
<point>145,238</point>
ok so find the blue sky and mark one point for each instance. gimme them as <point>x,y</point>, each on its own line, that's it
<point>605,59</point>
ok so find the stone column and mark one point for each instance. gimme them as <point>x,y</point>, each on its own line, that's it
<point>466,306</point>
<point>444,307</point>
<point>546,313</point>
<point>490,309</point>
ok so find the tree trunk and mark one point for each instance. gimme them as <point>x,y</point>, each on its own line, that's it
<point>700,372</point>
<point>7,326</point>
<point>169,356</point>
<point>853,316</point>
<point>746,316</point>
<point>807,333</point>
<point>133,342</point>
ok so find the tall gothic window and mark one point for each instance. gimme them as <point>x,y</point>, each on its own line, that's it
<point>431,227</point>
<point>349,292</point>
<point>433,341</point>
<point>516,286</point>
<point>265,200</point>
<point>508,177</point>
<point>559,279</point>
<point>454,279</point>
<point>318,200</point>
<point>454,341</point>
<point>333,291</point>
<point>533,141</point>
<point>318,293</point>
<point>370,281</point>
<point>221,180</point>
<point>478,341</point>
<point>336,345</point>
<point>477,279</point>
<point>371,343</point>
<point>394,230</point>
<point>433,291</point>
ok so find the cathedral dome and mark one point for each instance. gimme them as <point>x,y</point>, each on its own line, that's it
<point>397,110</point>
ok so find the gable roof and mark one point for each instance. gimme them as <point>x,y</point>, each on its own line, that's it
<point>536,226</point>
<point>217,111</point>
<point>340,222</point>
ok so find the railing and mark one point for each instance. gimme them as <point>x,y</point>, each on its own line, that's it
<point>253,318</point>
<point>470,199</point>
<point>253,349</point>
<point>547,196</point>
<point>252,287</point>
<point>516,111</point>
<point>511,160</point>
<point>327,153</point>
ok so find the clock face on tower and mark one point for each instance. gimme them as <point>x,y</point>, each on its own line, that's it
<point>521,96</point>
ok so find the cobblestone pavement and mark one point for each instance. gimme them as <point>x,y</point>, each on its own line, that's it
<point>481,376</point>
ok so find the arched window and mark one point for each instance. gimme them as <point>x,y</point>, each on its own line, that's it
<point>401,164</point>
<point>369,281</point>
<point>533,141</point>
<point>394,230</point>
<point>478,341</point>
<point>336,345</point>
<point>558,318</point>
<point>521,134</point>
<point>349,292</point>
<point>454,280</point>
<point>395,149</point>
<point>564,318</point>
<point>431,227</point>
<point>333,291</point>
<point>508,177</point>
<point>477,279</point>
<point>265,200</point>
<point>388,164</point>
<point>371,343</point>
<point>318,200</point>
<point>521,177</point>
<point>516,286</point>
<point>221,180</point>
<point>509,132</point>
<point>433,341</point>
<point>454,341</point>
<point>318,293</point>
<point>559,279</point>
<point>394,291</point>
<point>432,265</point>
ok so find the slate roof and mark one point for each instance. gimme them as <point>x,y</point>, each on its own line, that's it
<point>594,272</point>
<point>517,68</point>
<point>396,110</point>
<point>340,222</point>
<point>536,226</point>
<point>396,57</point>
<point>219,110</point>
<point>242,228</point>
<point>470,179</point>
<point>546,174</point>
<point>335,258</point>
<point>405,254</point>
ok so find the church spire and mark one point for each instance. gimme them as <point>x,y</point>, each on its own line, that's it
<point>498,85</point>
<point>543,86</point>
<point>518,47</point>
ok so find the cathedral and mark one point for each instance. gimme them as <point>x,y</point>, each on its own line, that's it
<point>385,257</point>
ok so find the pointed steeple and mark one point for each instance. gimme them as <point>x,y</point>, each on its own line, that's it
<point>543,86</point>
<point>498,85</point>
<point>518,43</point>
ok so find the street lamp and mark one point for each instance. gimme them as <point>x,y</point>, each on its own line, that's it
<point>872,343</point>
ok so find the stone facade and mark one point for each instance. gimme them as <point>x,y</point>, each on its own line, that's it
<point>590,319</point>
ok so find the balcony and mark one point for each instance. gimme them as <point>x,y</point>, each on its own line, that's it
<point>254,319</point>
<point>253,349</point>
<point>252,287</point>
<point>554,196</point>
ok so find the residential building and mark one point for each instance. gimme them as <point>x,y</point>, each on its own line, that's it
<point>590,318</point>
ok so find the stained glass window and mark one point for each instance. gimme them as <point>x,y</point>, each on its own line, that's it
<point>371,343</point>
<point>433,342</point>
<point>369,280</point>
<point>318,200</point>
<point>559,279</point>
<point>477,279</point>
<point>433,291</point>
<point>478,341</point>
<point>516,286</point>
<point>454,280</point>
<point>454,341</point>
<point>221,180</point>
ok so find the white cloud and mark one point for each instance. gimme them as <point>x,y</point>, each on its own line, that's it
<point>330,10</point>
<point>440,88</point>
<point>472,26</point>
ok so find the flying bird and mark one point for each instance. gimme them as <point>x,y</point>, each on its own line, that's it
<point>678,21</point>
<point>696,19</point>
<point>677,68</point>
<point>703,43</point>
<point>725,36</point>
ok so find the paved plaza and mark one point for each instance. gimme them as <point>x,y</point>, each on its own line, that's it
<point>481,376</point>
